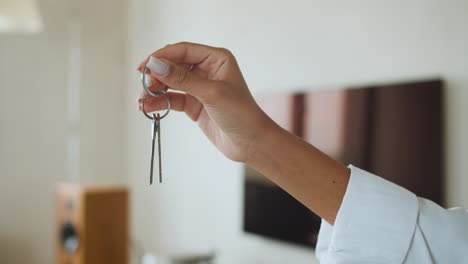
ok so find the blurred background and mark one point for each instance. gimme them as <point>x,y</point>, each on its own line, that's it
<point>68,89</point>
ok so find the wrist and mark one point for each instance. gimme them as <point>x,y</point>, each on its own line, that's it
<point>309,175</point>
<point>267,136</point>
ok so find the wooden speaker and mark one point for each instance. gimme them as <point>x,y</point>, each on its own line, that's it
<point>92,224</point>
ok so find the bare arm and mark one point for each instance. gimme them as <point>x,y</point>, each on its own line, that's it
<point>218,99</point>
<point>313,178</point>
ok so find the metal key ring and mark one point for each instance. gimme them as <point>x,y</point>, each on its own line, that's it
<point>143,82</point>
<point>167,110</point>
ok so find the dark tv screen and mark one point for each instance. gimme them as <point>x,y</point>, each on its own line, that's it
<point>394,131</point>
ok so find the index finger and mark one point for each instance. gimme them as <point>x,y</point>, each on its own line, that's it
<point>183,52</point>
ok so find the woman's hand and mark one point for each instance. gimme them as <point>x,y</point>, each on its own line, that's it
<point>215,95</point>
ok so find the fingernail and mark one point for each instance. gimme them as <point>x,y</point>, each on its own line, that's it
<point>158,66</point>
<point>148,81</point>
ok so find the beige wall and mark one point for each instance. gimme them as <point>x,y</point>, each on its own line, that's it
<point>32,138</point>
<point>33,121</point>
<point>281,46</point>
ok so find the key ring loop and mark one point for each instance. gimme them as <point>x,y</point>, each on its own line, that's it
<point>167,110</point>
<point>143,82</point>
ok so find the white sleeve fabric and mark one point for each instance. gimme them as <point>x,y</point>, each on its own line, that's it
<point>381,222</point>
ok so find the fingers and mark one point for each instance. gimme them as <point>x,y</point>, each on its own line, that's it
<point>172,66</point>
<point>152,83</point>
<point>183,52</point>
<point>179,77</point>
<point>179,102</point>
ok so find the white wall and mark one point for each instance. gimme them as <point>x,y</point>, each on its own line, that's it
<point>33,79</point>
<point>281,46</point>
<point>32,139</point>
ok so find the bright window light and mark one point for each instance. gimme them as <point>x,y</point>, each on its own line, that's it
<point>20,16</point>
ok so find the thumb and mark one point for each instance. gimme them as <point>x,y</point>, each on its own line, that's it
<point>177,77</point>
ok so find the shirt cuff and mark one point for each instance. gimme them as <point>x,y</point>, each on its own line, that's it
<point>375,223</point>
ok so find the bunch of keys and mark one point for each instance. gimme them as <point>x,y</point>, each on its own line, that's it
<point>155,123</point>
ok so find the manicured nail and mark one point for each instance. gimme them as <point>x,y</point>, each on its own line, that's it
<point>158,66</point>
<point>148,81</point>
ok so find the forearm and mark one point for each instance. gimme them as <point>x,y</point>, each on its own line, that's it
<point>312,177</point>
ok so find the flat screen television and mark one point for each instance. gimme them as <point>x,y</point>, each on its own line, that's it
<point>394,131</point>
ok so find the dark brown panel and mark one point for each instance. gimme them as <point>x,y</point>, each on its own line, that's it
<point>406,142</point>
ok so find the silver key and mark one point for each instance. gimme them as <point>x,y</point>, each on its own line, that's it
<point>154,130</point>
<point>159,146</point>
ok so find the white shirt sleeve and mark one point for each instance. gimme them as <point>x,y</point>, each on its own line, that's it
<point>381,222</point>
